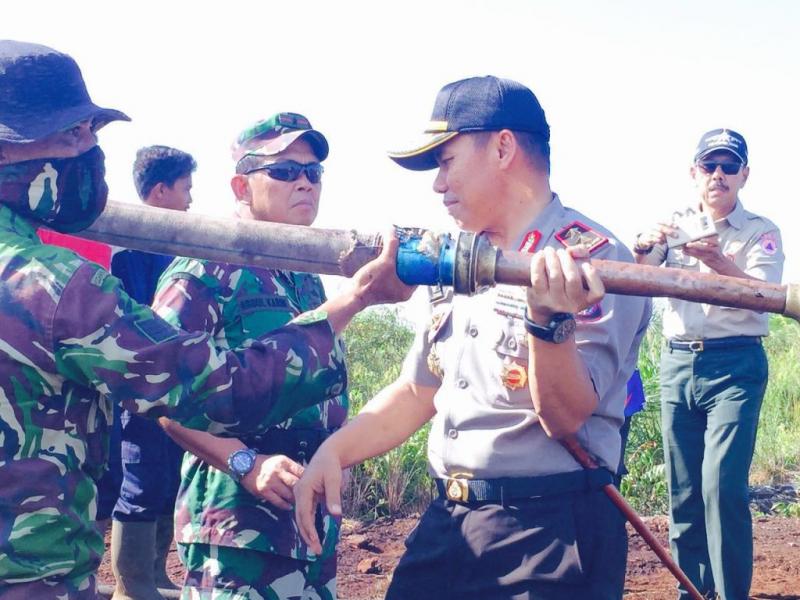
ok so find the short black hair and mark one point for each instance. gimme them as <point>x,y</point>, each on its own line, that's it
<point>160,164</point>
<point>535,146</point>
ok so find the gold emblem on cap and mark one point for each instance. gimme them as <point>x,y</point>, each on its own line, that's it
<point>436,127</point>
<point>514,376</point>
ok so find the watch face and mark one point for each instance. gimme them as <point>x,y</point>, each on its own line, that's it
<point>241,462</point>
<point>563,330</point>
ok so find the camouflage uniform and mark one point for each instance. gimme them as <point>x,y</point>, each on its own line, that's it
<point>233,543</point>
<point>69,333</point>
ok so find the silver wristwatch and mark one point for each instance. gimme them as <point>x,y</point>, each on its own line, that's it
<point>241,462</point>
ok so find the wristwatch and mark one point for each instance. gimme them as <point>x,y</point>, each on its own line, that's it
<point>558,330</point>
<point>642,250</point>
<point>241,462</point>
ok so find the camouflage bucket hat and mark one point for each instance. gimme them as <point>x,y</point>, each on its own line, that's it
<point>273,135</point>
<point>42,92</point>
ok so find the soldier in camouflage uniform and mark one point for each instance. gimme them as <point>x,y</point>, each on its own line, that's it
<point>234,525</point>
<point>72,342</point>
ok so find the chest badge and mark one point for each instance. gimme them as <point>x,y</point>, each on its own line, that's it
<point>514,376</point>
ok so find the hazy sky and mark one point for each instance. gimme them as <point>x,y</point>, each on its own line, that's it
<point>628,88</point>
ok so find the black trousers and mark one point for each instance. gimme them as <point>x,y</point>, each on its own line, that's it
<point>564,546</point>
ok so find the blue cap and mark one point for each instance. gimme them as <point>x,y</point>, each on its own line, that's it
<point>722,139</point>
<point>475,104</point>
<point>42,92</point>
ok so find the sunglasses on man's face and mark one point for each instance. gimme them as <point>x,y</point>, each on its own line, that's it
<point>290,170</point>
<point>710,166</point>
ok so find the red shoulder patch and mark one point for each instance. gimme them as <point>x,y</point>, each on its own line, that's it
<point>579,234</point>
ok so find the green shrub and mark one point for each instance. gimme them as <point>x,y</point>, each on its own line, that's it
<point>396,483</point>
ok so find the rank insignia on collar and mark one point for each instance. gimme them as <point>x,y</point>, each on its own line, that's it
<point>514,376</point>
<point>530,241</point>
<point>578,234</point>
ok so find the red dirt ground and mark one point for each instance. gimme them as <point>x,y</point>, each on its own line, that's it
<point>376,547</point>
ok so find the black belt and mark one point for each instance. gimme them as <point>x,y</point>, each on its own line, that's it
<point>460,489</point>
<point>298,444</point>
<point>714,343</point>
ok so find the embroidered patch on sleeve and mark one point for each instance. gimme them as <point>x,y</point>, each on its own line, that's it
<point>578,234</point>
<point>156,330</point>
<point>769,242</point>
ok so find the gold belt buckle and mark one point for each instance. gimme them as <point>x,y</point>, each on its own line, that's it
<point>457,488</point>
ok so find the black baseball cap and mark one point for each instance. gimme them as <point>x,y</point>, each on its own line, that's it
<point>475,104</point>
<point>42,92</point>
<point>722,139</point>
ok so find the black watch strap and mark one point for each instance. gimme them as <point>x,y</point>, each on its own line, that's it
<point>558,330</point>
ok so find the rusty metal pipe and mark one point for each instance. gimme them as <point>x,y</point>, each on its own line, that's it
<point>643,280</point>
<point>338,252</point>
<point>236,241</point>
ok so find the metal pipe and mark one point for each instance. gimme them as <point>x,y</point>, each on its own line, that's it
<point>469,264</point>
<point>236,241</point>
<point>644,280</point>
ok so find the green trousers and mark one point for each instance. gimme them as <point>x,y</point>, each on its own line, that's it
<point>710,402</point>
<point>224,573</point>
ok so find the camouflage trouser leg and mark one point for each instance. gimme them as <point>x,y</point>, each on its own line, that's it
<point>223,573</point>
<point>83,587</point>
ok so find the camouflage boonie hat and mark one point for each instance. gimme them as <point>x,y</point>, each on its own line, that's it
<point>42,92</point>
<point>273,135</point>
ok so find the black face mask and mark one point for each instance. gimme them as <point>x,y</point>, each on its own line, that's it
<point>65,194</point>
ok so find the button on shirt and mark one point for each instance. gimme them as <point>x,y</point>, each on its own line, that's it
<point>753,243</point>
<point>485,424</point>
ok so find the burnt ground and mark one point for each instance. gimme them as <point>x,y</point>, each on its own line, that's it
<point>369,552</point>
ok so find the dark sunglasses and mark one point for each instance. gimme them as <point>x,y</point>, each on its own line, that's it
<point>710,166</point>
<point>290,170</point>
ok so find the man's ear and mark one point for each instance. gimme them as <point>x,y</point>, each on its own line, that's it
<point>241,188</point>
<point>745,174</point>
<point>506,147</point>
<point>155,194</point>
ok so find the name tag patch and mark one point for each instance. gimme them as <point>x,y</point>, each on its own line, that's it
<point>253,304</point>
